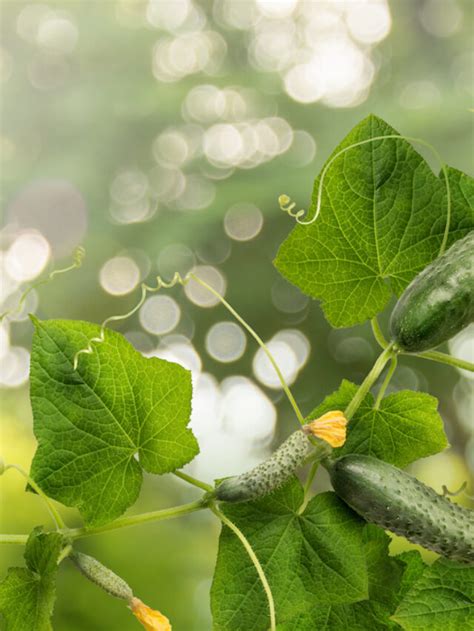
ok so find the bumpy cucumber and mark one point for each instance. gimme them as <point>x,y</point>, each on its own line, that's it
<point>395,500</point>
<point>102,576</point>
<point>439,302</point>
<point>273,472</point>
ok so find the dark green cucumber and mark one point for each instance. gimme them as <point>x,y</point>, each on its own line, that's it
<point>272,472</point>
<point>439,302</point>
<point>396,501</point>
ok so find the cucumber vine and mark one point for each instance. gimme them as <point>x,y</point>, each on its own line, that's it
<point>288,558</point>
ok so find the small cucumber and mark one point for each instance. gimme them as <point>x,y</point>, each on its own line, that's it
<point>273,472</point>
<point>396,501</point>
<point>439,302</point>
<point>102,576</point>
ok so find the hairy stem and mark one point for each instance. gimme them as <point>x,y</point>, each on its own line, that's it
<point>125,522</point>
<point>56,517</point>
<point>142,518</point>
<point>444,358</point>
<point>386,381</point>
<point>259,341</point>
<point>253,557</point>
<point>377,331</point>
<point>18,539</point>
<point>193,481</point>
<point>369,381</point>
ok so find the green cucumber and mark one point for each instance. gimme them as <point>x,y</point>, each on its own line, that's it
<point>396,501</point>
<point>439,302</point>
<point>102,576</point>
<point>274,471</point>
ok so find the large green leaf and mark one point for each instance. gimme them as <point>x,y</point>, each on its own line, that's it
<point>403,429</point>
<point>27,595</point>
<point>442,599</point>
<point>316,557</point>
<point>382,220</point>
<point>99,425</point>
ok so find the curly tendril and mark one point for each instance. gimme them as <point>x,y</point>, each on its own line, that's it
<point>184,280</point>
<point>77,259</point>
<point>288,206</point>
<point>145,289</point>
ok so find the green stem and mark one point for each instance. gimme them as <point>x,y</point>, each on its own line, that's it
<point>377,331</point>
<point>193,481</point>
<point>368,382</point>
<point>49,505</point>
<point>444,358</point>
<point>259,341</point>
<point>386,381</point>
<point>19,539</point>
<point>307,486</point>
<point>133,520</point>
<point>254,559</point>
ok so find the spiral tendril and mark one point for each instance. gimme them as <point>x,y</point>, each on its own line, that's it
<point>184,280</point>
<point>77,259</point>
<point>288,206</point>
<point>145,289</point>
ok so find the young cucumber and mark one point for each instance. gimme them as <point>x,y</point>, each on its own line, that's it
<point>273,472</point>
<point>439,302</point>
<point>396,501</point>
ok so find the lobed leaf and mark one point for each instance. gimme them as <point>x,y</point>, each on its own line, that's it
<point>100,425</point>
<point>308,558</point>
<point>442,598</point>
<point>406,426</point>
<point>383,217</point>
<point>27,595</point>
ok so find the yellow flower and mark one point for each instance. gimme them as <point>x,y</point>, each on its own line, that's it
<point>330,427</point>
<point>151,619</point>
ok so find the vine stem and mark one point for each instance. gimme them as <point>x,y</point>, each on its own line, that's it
<point>377,331</point>
<point>259,341</point>
<point>386,381</point>
<point>193,481</point>
<point>125,522</point>
<point>369,381</point>
<point>49,505</point>
<point>253,557</point>
<point>444,358</point>
<point>142,518</point>
<point>18,539</point>
<point>307,486</point>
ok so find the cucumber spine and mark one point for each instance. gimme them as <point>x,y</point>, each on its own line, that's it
<point>391,498</point>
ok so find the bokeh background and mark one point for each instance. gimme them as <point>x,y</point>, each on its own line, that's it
<point>159,135</point>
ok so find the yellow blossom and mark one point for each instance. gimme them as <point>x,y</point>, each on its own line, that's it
<point>151,619</point>
<point>330,427</point>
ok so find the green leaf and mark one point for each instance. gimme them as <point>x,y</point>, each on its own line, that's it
<point>27,595</point>
<point>313,558</point>
<point>99,425</point>
<point>414,566</point>
<point>406,426</point>
<point>442,599</point>
<point>382,220</point>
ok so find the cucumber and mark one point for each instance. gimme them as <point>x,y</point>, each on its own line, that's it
<point>102,576</point>
<point>396,501</point>
<point>273,472</point>
<point>439,302</point>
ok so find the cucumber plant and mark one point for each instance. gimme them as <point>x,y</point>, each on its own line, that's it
<point>380,226</point>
